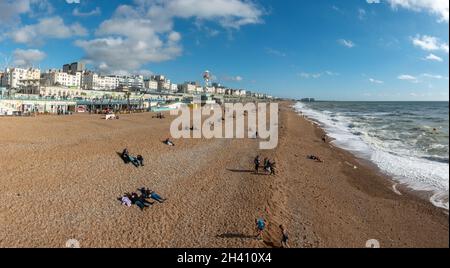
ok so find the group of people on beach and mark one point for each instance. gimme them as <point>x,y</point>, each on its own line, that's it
<point>137,161</point>
<point>268,166</point>
<point>142,200</point>
<point>159,116</point>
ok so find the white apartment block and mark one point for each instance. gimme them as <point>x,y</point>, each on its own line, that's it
<point>60,78</point>
<point>198,89</point>
<point>134,81</point>
<point>220,90</point>
<point>174,87</point>
<point>188,87</point>
<point>94,81</point>
<point>164,85</point>
<point>16,77</point>
<point>151,85</point>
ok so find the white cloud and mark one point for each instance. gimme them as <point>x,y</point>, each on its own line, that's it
<point>11,10</point>
<point>439,8</point>
<point>317,75</point>
<point>144,32</point>
<point>337,9</point>
<point>26,58</point>
<point>228,13</point>
<point>362,13</point>
<point>436,7</point>
<point>95,12</point>
<point>430,43</point>
<point>275,52</point>
<point>407,77</point>
<point>433,57</point>
<point>346,43</point>
<point>421,78</point>
<point>434,76</point>
<point>375,81</point>
<point>52,27</point>
<point>72,1</point>
<point>330,73</point>
<point>237,78</point>
<point>310,75</point>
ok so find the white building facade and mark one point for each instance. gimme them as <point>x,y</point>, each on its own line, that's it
<point>59,78</point>
<point>151,85</point>
<point>94,81</point>
<point>16,77</point>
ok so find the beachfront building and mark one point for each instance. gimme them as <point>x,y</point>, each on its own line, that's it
<point>188,87</point>
<point>93,81</point>
<point>220,90</point>
<point>17,77</point>
<point>132,81</point>
<point>150,85</point>
<point>173,87</point>
<point>163,86</point>
<point>198,90</point>
<point>74,68</point>
<point>229,91</point>
<point>239,93</point>
<point>61,78</point>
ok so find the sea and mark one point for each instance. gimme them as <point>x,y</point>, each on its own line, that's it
<point>409,141</point>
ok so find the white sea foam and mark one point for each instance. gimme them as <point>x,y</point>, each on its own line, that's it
<point>405,166</point>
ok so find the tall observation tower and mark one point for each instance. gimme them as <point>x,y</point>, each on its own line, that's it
<point>207,78</point>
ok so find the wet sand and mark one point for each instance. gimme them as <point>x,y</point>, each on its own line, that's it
<point>61,177</point>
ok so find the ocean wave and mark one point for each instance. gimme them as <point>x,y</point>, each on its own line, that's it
<point>390,149</point>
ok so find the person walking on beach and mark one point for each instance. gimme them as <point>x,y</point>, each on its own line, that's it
<point>285,237</point>
<point>266,162</point>
<point>271,167</point>
<point>257,163</point>
<point>260,226</point>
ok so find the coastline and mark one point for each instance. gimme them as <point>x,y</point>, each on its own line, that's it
<point>374,209</point>
<point>213,199</point>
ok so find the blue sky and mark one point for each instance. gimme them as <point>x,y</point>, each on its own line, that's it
<point>332,50</point>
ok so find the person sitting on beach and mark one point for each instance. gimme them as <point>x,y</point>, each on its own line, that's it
<point>260,226</point>
<point>125,153</point>
<point>169,142</point>
<point>315,158</point>
<point>140,159</point>
<point>126,201</point>
<point>285,236</point>
<point>257,163</point>
<point>271,167</point>
<point>139,201</point>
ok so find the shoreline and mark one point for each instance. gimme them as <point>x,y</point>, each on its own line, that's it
<point>213,197</point>
<point>397,187</point>
<point>376,187</point>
